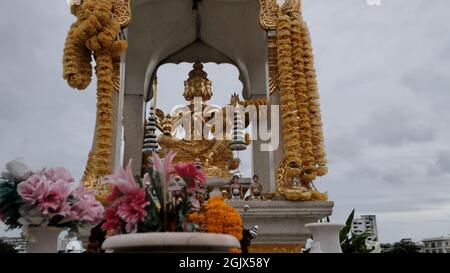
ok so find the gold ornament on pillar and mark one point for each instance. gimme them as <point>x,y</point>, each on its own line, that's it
<point>122,12</point>
<point>268,14</point>
<point>304,157</point>
<point>292,7</point>
<point>95,36</point>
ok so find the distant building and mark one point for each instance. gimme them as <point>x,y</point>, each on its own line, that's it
<point>19,244</point>
<point>437,245</point>
<point>366,223</point>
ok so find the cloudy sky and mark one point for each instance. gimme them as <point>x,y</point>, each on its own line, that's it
<point>384,79</point>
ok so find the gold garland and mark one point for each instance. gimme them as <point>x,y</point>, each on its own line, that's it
<point>95,34</point>
<point>301,94</point>
<point>288,105</point>
<point>314,105</point>
<point>300,109</point>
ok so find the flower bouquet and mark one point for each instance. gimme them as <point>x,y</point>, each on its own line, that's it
<point>160,201</point>
<point>43,199</point>
<point>167,199</point>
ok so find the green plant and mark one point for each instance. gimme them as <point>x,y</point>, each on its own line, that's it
<point>10,202</point>
<point>403,247</point>
<point>351,242</point>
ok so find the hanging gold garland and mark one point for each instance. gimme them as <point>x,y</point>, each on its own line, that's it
<point>301,92</point>
<point>95,33</point>
<point>313,98</point>
<point>304,158</point>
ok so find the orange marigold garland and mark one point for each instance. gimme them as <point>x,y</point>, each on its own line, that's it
<point>219,217</point>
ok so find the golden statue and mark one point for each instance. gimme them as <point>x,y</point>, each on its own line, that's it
<point>213,154</point>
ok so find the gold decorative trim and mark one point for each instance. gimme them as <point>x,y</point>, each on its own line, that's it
<point>268,14</point>
<point>122,11</point>
<point>116,74</point>
<point>272,59</point>
<point>292,6</point>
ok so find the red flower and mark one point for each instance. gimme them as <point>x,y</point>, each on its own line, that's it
<point>112,221</point>
<point>190,173</point>
<point>132,207</point>
<point>115,193</point>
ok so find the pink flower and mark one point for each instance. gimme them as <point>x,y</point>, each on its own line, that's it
<point>132,207</point>
<point>86,208</point>
<point>122,180</point>
<point>34,188</point>
<point>112,221</point>
<point>163,165</point>
<point>56,174</point>
<point>188,171</point>
<point>53,201</point>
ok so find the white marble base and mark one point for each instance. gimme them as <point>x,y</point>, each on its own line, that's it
<point>168,242</point>
<point>280,221</point>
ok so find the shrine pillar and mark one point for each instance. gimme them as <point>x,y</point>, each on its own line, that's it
<point>133,125</point>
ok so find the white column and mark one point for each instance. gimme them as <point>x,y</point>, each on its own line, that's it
<point>118,132</point>
<point>133,125</point>
<point>276,156</point>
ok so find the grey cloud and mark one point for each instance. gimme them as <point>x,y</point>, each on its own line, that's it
<point>343,146</point>
<point>396,126</point>
<point>441,164</point>
<point>428,83</point>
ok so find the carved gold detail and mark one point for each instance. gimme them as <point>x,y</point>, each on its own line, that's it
<point>122,11</point>
<point>198,85</point>
<point>92,181</point>
<point>292,6</point>
<point>268,14</point>
<point>116,75</point>
<point>272,59</point>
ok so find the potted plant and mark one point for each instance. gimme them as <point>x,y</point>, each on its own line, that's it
<point>44,203</point>
<point>351,242</point>
<point>155,213</point>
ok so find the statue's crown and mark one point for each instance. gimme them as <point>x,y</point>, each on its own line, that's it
<point>198,84</point>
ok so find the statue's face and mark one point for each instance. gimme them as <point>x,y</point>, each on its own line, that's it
<point>255,178</point>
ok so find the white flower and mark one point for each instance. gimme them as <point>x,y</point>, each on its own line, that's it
<point>18,169</point>
<point>31,216</point>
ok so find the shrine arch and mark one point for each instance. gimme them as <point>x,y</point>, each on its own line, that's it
<point>241,41</point>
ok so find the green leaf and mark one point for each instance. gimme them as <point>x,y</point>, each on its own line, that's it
<point>344,232</point>
<point>350,218</point>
